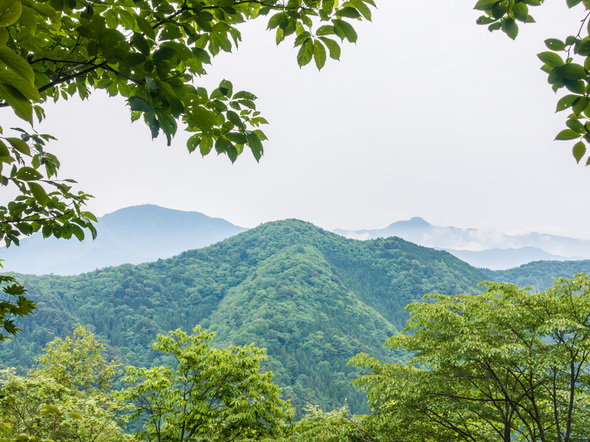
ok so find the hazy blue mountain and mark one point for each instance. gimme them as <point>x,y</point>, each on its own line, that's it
<point>501,259</point>
<point>517,249</point>
<point>131,235</point>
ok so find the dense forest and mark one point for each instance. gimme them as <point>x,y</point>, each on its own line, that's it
<point>312,298</point>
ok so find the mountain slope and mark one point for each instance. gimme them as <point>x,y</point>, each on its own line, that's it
<point>540,274</point>
<point>131,235</point>
<point>313,298</point>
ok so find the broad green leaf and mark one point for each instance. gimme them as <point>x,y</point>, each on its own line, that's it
<point>550,58</point>
<point>485,5</point>
<point>20,145</point>
<point>325,30</point>
<point>255,145</point>
<point>305,53</point>
<point>28,174</point>
<point>554,44</point>
<point>141,44</point>
<point>11,14</point>
<point>520,11</point>
<point>570,71</point>
<point>20,104</point>
<point>362,8</point>
<point>567,134</point>
<point>332,46</point>
<point>579,151</point>
<point>576,126</point>
<point>319,54</point>
<point>566,102</point>
<point>510,28</point>
<point>349,12</point>
<point>244,94</point>
<point>572,3</point>
<point>39,193</point>
<point>139,104</point>
<point>575,86</point>
<point>344,29</point>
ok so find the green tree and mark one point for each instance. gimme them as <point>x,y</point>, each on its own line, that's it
<point>504,365</point>
<point>566,62</point>
<point>66,398</point>
<point>211,394</point>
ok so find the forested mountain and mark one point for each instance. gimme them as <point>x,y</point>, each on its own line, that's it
<point>132,235</point>
<point>313,298</point>
<point>540,274</point>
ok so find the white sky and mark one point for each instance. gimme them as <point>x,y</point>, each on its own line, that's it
<point>428,115</point>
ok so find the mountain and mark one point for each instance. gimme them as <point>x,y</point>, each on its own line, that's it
<point>541,274</point>
<point>131,235</point>
<point>499,251</point>
<point>501,259</point>
<point>313,298</point>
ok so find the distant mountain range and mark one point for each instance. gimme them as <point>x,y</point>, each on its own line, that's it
<point>132,235</point>
<point>481,248</point>
<point>146,233</point>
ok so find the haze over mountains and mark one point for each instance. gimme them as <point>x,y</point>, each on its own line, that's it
<point>128,236</point>
<point>146,233</point>
<point>481,248</point>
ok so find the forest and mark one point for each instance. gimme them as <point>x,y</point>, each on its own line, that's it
<point>307,313</point>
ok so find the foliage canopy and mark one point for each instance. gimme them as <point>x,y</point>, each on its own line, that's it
<point>504,365</point>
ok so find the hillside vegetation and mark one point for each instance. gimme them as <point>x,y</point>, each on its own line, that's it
<point>313,298</point>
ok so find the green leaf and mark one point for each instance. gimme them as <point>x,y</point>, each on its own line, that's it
<point>244,94</point>
<point>325,30</point>
<point>579,151</point>
<point>20,145</point>
<point>349,12</point>
<point>255,145</point>
<point>344,29</point>
<point>139,41</point>
<point>550,58</point>
<point>554,44</point>
<point>319,54</point>
<point>510,28</point>
<point>485,5</point>
<point>575,86</point>
<point>20,104</point>
<point>521,11</point>
<point>11,13</point>
<point>576,126</point>
<point>566,102</point>
<point>333,47</point>
<point>305,53</point>
<point>567,134</point>
<point>39,193</point>
<point>570,71</point>
<point>572,3</point>
<point>28,174</point>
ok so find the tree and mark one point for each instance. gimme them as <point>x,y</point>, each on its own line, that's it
<point>570,70</point>
<point>504,365</point>
<point>67,397</point>
<point>211,394</point>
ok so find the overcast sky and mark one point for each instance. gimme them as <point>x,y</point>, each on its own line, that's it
<point>428,115</point>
